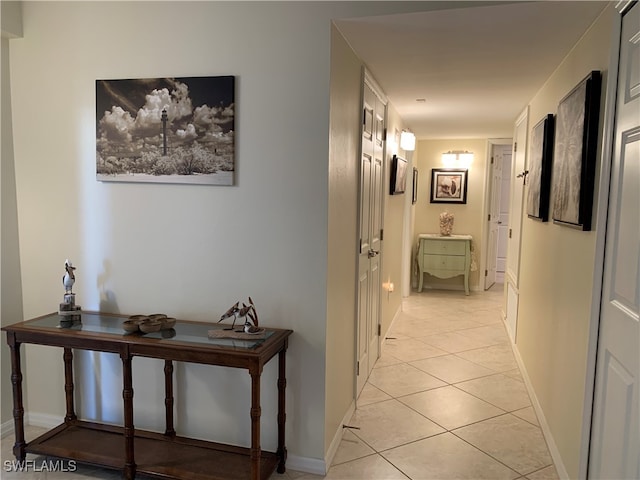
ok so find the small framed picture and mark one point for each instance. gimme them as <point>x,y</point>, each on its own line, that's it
<point>449,185</point>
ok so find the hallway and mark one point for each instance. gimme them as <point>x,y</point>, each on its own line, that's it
<point>445,400</point>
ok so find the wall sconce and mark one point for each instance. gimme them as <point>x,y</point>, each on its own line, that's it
<point>457,158</point>
<point>407,141</point>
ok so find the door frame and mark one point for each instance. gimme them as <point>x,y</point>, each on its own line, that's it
<point>486,207</point>
<point>602,206</point>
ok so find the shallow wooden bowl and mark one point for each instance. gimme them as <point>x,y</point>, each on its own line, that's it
<point>150,326</point>
<point>167,322</point>
<point>130,326</point>
<point>157,316</point>
<point>138,319</point>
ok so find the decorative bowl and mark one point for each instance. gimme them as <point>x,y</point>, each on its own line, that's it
<point>138,319</point>
<point>157,316</point>
<point>150,326</point>
<point>130,326</point>
<point>167,322</point>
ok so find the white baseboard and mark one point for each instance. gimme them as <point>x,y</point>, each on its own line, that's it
<point>335,443</point>
<point>36,419</point>
<point>6,428</point>
<point>393,321</point>
<point>314,466</point>
<point>42,419</point>
<point>546,431</point>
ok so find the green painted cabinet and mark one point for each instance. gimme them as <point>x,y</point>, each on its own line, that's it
<point>444,257</point>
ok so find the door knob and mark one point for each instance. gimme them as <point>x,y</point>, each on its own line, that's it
<point>373,253</point>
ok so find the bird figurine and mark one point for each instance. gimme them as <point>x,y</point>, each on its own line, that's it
<point>243,312</point>
<point>249,328</point>
<point>232,312</point>
<point>69,277</point>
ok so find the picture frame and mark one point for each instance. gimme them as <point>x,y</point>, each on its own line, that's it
<point>398,177</point>
<point>414,197</point>
<point>449,185</point>
<point>540,163</point>
<point>575,146</point>
<point>178,130</point>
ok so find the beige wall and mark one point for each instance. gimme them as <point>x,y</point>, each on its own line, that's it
<point>556,276</point>
<point>10,278</point>
<point>468,217</point>
<point>344,130</point>
<point>394,226</point>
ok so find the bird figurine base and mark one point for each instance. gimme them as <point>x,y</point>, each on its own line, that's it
<point>237,335</point>
<point>69,311</point>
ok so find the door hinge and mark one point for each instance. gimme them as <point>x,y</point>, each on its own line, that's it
<point>489,218</point>
<point>486,273</point>
<point>381,234</point>
<point>357,368</point>
<point>491,160</point>
<point>509,233</point>
<point>515,147</point>
<point>364,116</point>
<point>379,330</point>
<point>384,134</point>
<point>360,246</point>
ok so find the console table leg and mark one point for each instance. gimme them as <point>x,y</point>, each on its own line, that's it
<point>68,384</point>
<point>256,411</point>
<point>168,401</point>
<point>18,406</point>
<point>129,431</point>
<point>282,416</point>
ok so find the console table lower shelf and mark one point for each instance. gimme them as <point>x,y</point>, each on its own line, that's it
<point>157,455</point>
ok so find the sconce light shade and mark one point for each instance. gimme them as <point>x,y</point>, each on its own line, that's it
<point>457,158</point>
<point>407,141</point>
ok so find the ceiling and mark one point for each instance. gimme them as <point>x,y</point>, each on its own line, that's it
<point>474,69</point>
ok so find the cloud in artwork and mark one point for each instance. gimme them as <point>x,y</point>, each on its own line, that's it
<point>122,131</point>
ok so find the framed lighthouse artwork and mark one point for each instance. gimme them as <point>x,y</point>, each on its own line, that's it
<point>166,130</point>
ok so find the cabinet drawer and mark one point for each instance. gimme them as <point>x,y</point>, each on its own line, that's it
<point>444,262</point>
<point>446,247</point>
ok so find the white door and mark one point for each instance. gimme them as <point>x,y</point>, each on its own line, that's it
<point>371,195</point>
<point>503,224</point>
<point>515,220</point>
<point>615,437</point>
<point>494,218</point>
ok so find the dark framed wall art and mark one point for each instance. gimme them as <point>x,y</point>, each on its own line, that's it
<point>449,185</point>
<point>166,130</point>
<point>540,158</point>
<point>398,176</point>
<point>574,155</point>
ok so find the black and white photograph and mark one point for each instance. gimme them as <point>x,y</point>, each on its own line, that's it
<point>398,176</point>
<point>539,176</point>
<point>448,185</point>
<point>574,155</point>
<point>166,130</point>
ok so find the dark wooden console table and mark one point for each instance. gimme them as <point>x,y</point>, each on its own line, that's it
<point>125,448</point>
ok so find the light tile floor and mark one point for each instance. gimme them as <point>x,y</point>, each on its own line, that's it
<point>445,401</point>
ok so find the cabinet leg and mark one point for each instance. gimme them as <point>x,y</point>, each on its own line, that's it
<point>420,281</point>
<point>168,401</point>
<point>18,406</point>
<point>129,431</point>
<point>466,284</point>
<point>68,384</point>
<point>256,411</point>
<point>282,416</point>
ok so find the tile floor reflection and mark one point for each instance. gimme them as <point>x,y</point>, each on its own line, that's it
<point>445,401</point>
